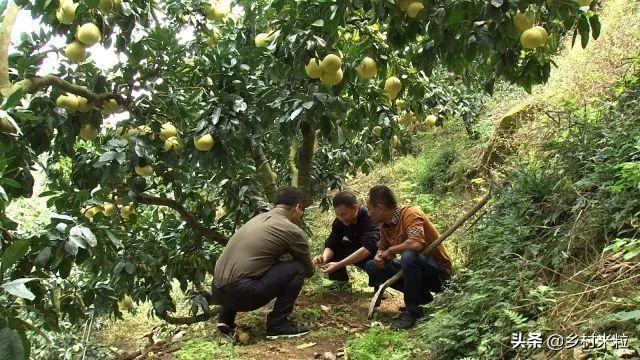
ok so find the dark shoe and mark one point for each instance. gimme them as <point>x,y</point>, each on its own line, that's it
<point>227,329</point>
<point>406,320</point>
<point>286,331</point>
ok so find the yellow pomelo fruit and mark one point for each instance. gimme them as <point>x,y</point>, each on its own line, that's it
<point>167,130</point>
<point>543,32</point>
<point>392,86</point>
<point>331,79</point>
<point>171,143</point>
<point>143,130</point>
<point>313,69</point>
<point>104,5</point>
<point>532,38</point>
<point>414,9</point>
<point>331,63</point>
<point>88,34</point>
<point>75,51</point>
<point>108,5</point>
<point>522,22</point>
<point>91,211</point>
<point>144,171</point>
<point>110,107</point>
<point>217,10</point>
<point>84,105</point>
<point>126,211</point>
<point>377,130</point>
<point>6,126</point>
<point>69,101</point>
<point>126,303</point>
<point>262,40</point>
<point>88,132</point>
<point>367,68</point>
<point>431,120</point>
<point>109,209</point>
<point>400,103</point>
<point>66,12</point>
<point>204,143</point>
<point>403,4</point>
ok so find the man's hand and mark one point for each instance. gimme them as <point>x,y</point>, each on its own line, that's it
<point>331,267</point>
<point>378,260</point>
<point>387,255</point>
<point>319,260</point>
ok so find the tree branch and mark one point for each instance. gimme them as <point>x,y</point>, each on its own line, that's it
<point>268,178</point>
<point>188,320</point>
<point>185,214</point>
<point>52,80</point>
<point>5,40</point>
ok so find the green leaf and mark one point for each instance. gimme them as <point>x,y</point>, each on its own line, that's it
<point>629,315</point>
<point>10,345</point>
<point>10,182</point>
<point>318,23</point>
<point>13,253</point>
<point>17,288</point>
<point>43,257</point>
<point>596,27</point>
<point>584,29</point>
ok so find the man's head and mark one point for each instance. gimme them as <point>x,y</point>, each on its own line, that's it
<point>345,205</point>
<point>290,199</point>
<point>381,203</point>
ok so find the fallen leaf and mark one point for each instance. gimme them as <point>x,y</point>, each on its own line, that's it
<point>325,308</point>
<point>305,345</point>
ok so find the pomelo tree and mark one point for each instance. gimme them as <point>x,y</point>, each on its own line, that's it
<point>152,163</point>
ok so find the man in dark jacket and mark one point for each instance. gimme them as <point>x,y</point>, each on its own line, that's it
<point>352,240</point>
<point>249,274</point>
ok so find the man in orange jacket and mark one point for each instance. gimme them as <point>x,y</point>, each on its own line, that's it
<point>406,231</point>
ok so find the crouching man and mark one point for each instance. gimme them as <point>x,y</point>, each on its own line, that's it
<point>352,241</point>
<point>406,231</point>
<point>248,274</point>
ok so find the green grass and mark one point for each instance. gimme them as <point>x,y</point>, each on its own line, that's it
<point>378,343</point>
<point>206,350</point>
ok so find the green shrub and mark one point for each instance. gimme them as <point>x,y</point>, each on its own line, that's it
<point>380,344</point>
<point>563,204</point>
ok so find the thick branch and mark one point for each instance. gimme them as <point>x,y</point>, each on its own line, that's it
<point>52,80</point>
<point>293,167</point>
<point>268,178</point>
<point>5,40</point>
<point>305,160</point>
<point>185,214</point>
<point>188,320</point>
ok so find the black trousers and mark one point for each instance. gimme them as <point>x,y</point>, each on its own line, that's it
<point>341,252</point>
<point>282,282</point>
<point>422,275</point>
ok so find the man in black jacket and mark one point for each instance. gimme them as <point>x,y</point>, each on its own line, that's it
<point>353,239</point>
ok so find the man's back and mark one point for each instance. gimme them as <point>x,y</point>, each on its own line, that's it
<point>257,245</point>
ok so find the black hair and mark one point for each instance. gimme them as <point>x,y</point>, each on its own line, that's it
<point>346,198</point>
<point>382,195</point>
<point>288,195</point>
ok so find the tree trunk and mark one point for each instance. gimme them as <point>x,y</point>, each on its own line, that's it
<point>305,160</point>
